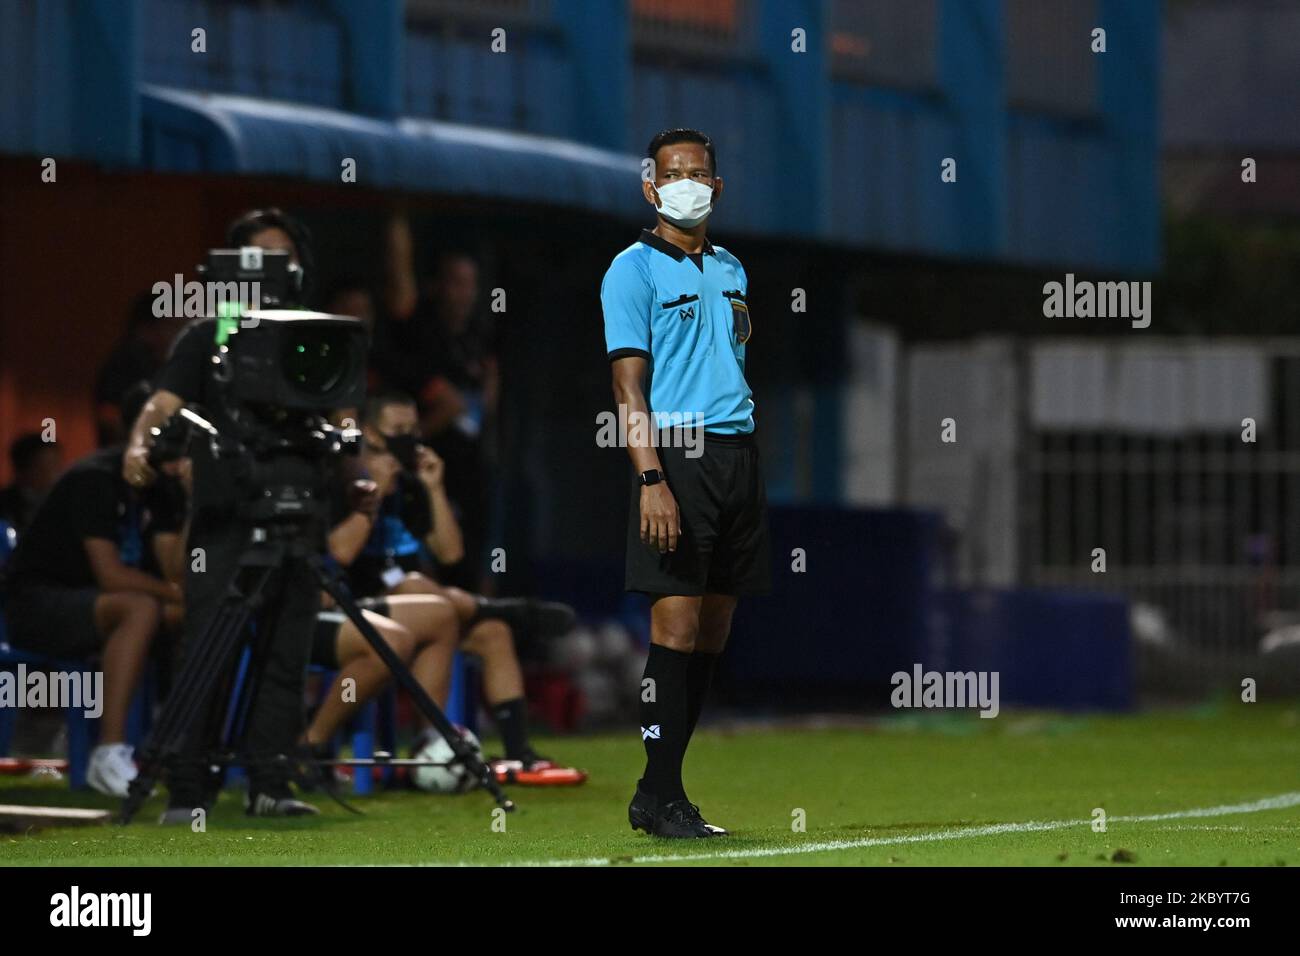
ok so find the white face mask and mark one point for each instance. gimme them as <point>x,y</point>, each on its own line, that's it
<point>686,203</point>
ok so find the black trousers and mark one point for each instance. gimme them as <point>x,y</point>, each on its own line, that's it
<point>284,629</point>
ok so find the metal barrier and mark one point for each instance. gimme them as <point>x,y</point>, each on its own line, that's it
<point>1180,460</point>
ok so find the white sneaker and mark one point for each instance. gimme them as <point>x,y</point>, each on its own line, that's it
<point>111,769</point>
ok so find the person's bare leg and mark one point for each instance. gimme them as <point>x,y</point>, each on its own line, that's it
<point>716,611</point>
<point>492,643</point>
<point>173,616</point>
<point>435,627</point>
<point>529,619</point>
<point>466,604</point>
<point>675,622</point>
<point>492,630</point>
<point>357,662</point>
<point>130,619</point>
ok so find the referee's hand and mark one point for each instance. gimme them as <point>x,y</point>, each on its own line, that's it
<point>660,522</point>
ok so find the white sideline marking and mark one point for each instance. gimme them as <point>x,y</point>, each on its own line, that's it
<point>1279,802</point>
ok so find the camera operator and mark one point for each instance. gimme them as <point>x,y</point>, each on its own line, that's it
<point>275,715</point>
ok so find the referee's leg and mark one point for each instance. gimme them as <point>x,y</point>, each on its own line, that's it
<point>715,628</point>
<point>687,633</point>
<point>665,693</point>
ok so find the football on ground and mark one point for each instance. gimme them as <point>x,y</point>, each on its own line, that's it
<point>443,776</point>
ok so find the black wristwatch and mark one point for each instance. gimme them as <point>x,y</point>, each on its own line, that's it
<point>651,477</point>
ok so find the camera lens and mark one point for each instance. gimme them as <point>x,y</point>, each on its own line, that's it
<point>315,361</point>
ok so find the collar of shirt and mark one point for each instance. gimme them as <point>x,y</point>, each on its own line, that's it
<point>667,248</point>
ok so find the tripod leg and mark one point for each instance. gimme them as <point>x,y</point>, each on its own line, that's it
<point>235,730</point>
<point>428,707</point>
<point>191,693</point>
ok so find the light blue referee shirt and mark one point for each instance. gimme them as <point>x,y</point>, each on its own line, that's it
<point>691,323</point>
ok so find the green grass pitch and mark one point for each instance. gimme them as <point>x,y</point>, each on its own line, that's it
<point>1222,783</point>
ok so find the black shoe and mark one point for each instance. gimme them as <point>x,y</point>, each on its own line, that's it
<point>176,814</point>
<point>675,820</point>
<point>192,784</point>
<point>276,802</point>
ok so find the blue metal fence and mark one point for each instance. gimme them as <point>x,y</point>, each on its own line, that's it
<point>832,120</point>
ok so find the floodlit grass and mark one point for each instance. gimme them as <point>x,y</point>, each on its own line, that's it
<point>904,782</point>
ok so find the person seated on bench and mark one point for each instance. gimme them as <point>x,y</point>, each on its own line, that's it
<point>386,563</point>
<point>75,590</point>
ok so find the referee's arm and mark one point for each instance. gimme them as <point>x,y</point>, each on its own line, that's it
<point>660,521</point>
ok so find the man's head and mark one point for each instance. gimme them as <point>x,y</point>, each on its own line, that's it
<point>274,230</point>
<point>392,427</point>
<point>455,290</point>
<point>682,182</point>
<point>36,462</point>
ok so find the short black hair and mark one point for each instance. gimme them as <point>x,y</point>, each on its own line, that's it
<point>248,224</point>
<point>376,402</point>
<point>24,450</point>
<point>671,137</point>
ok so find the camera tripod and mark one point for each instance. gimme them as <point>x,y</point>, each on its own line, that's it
<point>254,589</point>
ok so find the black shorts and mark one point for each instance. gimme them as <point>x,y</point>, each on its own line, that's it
<point>724,546</point>
<point>325,638</point>
<point>53,620</point>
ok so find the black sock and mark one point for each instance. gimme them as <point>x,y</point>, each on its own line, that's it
<point>513,611</point>
<point>665,721</point>
<point>512,717</point>
<point>699,675</point>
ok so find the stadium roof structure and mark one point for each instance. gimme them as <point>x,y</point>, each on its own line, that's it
<point>189,131</point>
<point>856,142</point>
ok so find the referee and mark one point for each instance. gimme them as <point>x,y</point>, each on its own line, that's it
<point>676,324</point>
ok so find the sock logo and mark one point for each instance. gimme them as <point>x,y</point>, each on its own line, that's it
<point>650,733</point>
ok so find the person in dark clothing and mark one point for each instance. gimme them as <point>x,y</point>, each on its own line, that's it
<point>387,559</point>
<point>436,344</point>
<point>78,587</point>
<point>36,464</point>
<point>136,357</point>
<point>275,718</point>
